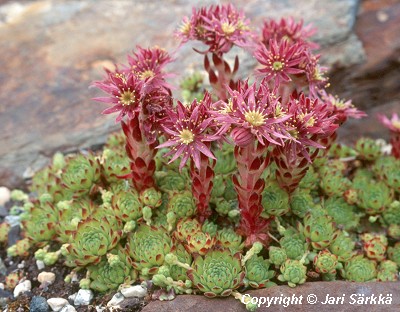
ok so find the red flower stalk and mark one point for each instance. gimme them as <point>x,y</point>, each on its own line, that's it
<point>255,119</point>
<point>393,125</point>
<point>141,155</point>
<point>191,131</point>
<point>251,162</point>
<point>125,93</point>
<point>309,123</point>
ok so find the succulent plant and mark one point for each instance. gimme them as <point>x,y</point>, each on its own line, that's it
<point>388,271</point>
<point>114,164</point>
<point>92,239</point>
<point>258,274</point>
<point>209,227</point>
<point>294,245</point>
<point>374,246</point>
<point>342,246</point>
<point>12,279</point>
<point>80,173</point>
<point>186,227</point>
<point>110,273</point>
<point>391,215</point>
<point>301,202</point>
<point>338,150</point>
<point>171,181</point>
<point>151,197</point>
<point>343,214</point>
<point>394,253</point>
<point>217,273</point>
<point>228,238</point>
<point>359,269</point>
<point>333,183</point>
<point>277,255</point>
<point>147,247</point>
<point>40,220</point>
<point>200,243</point>
<point>182,204</point>
<point>394,231</point>
<point>388,169</point>
<point>294,272</point>
<point>320,231</point>
<point>275,200</point>
<point>368,149</point>
<point>4,229</point>
<point>192,87</point>
<point>325,262</point>
<point>126,205</point>
<point>225,207</point>
<point>310,180</point>
<point>375,197</point>
<point>20,248</point>
<point>176,272</point>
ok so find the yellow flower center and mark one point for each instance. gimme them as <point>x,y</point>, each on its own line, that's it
<point>146,74</point>
<point>185,28</point>
<point>310,122</point>
<point>294,133</point>
<point>396,124</point>
<point>186,136</point>
<point>227,108</point>
<point>228,28</point>
<point>255,118</point>
<point>277,65</point>
<point>127,98</point>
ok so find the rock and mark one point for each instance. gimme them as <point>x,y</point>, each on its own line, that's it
<point>72,297</point>
<point>5,195</point>
<point>133,304</point>
<point>21,265</point>
<point>38,304</point>
<point>116,299</point>
<point>3,211</point>
<point>134,291</point>
<point>21,288</point>
<point>308,291</point>
<point>83,297</point>
<point>62,99</point>
<point>3,269</point>
<point>68,308</point>
<point>40,264</point>
<point>46,277</point>
<point>56,304</point>
<point>14,234</point>
<point>1,284</point>
<point>5,293</point>
<point>13,220</point>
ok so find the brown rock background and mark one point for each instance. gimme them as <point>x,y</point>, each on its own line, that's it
<point>51,50</point>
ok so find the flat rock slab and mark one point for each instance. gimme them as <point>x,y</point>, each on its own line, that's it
<point>53,49</point>
<point>305,298</point>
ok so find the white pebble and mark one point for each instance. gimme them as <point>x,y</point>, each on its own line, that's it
<point>116,299</point>
<point>1,286</point>
<point>13,220</point>
<point>83,297</point>
<point>100,309</point>
<point>22,287</point>
<point>46,277</point>
<point>56,304</point>
<point>134,291</point>
<point>5,195</point>
<point>71,298</point>
<point>21,265</point>
<point>68,308</point>
<point>40,264</point>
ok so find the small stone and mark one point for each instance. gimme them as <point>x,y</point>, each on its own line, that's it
<point>2,286</point>
<point>83,297</point>
<point>13,220</point>
<point>21,265</point>
<point>47,278</point>
<point>56,304</point>
<point>5,195</point>
<point>134,291</point>
<point>40,264</point>
<point>38,304</point>
<point>68,308</point>
<point>23,287</point>
<point>71,298</point>
<point>116,299</point>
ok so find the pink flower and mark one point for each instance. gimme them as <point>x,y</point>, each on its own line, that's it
<point>310,120</point>
<point>341,109</point>
<point>125,94</point>
<point>220,27</point>
<point>188,129</point>
<point>393,124</point>
<point>148,65</point>
<point>280,61</point>
<point>289,30</point>
<point>253,114</point>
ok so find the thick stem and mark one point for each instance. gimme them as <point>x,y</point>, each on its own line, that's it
<point>202,183</point>
<point>251,162</point>
<point>141,155</point>
<point>395,141</point>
